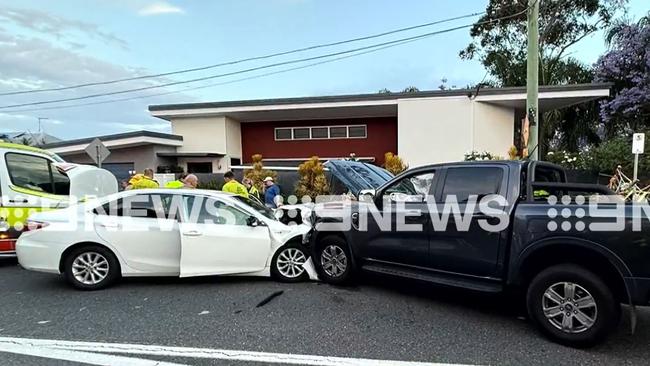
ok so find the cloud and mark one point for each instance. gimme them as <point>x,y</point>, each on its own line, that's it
<point>159,8</point>
<point>58,27</point>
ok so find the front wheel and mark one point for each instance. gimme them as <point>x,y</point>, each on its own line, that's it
<point>572,305</point>
<point>288,264</point>
<point>333,260</point>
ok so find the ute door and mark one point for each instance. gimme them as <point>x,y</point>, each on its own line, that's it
<point>405,201</point>
<point>219,238</point>
<point>469,250</point>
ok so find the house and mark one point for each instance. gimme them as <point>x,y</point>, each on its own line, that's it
<point>28,138</point>
<point>422,127</point>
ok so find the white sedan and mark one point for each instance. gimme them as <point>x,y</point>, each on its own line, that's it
<point>164,232</point>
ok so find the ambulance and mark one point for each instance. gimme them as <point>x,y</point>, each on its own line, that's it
<point>33,179</point>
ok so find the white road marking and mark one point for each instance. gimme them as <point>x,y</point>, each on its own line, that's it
<point>204,312</point>
<point>81,357</point>
<point>44,322</point>
<point>43,346</point>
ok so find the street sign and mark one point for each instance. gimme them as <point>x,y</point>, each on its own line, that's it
<point>97,151</point>
<point>638,143</point>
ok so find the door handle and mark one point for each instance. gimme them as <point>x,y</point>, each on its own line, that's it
<point>110,225</point>
<point>192,233</point>
<point>18,200</point>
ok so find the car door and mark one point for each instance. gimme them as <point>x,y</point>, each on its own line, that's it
<point>467,250</point>
<point>405,201</point>
<point>219,238</point>
<point>140,227</point>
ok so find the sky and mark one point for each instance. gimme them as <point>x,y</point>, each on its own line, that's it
<point>49,44</point>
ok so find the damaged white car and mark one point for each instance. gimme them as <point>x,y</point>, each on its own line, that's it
<point>164,232</point>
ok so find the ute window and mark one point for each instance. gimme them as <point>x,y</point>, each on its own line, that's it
<point>465,182</point>
<point>36,173</point>
<point>412,188</point>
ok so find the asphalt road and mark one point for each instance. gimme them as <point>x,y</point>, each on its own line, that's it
<point>378,319</point>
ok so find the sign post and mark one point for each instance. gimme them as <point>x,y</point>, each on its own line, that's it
<point>638,144</point>
<point>97,151</point>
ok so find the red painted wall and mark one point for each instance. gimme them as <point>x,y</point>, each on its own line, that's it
<point>259,138</point>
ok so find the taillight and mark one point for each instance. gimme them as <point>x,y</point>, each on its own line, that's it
<point>35,225</point>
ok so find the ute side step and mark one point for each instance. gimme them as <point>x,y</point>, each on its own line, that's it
<point>434,277</point>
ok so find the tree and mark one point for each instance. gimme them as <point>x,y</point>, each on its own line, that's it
<point>410,89</point>
<point>627,66</point>
<point>384,91</point>
<point>258,173</point>
<point>500,45</point>
<point>312,180</point>
<point>394,163</point>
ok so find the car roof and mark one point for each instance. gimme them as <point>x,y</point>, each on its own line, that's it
<point>13,146</point>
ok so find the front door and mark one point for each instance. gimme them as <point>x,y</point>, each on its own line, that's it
<point>467,248</point>
<point>216,239</point>
<point>404,205</point>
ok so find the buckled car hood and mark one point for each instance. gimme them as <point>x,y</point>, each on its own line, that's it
<point>356,175</point>
<point>88,181</point>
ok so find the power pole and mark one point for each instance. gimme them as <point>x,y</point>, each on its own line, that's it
<point>532,83</point>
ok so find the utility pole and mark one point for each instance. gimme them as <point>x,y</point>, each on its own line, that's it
<point>532,84</point>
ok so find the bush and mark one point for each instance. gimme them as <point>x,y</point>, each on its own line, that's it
<point>258,173</point>
<point>312,180</point>
<point>478,156</point>
<point>394,163</point>
<point>570,160</point>
<point>212,184</point>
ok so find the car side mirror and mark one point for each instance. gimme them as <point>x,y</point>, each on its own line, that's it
<point>253,221</point>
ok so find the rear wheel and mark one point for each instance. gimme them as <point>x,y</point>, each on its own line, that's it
<point>91,268</point>
<point>288,264</point>
<point>572,305</point>
<point>333,260</point>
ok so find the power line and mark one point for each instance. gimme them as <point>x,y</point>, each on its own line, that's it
<point>209,85</point>
<point>417,37</point>
<point>256,58</point>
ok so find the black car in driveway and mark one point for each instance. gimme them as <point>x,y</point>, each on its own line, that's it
<point>548,241</point>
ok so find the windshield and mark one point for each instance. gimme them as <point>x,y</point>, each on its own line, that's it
<point>257,206</point>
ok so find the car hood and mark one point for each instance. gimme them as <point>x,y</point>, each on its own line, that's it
<point>357,176</point>
<point>87,181</point>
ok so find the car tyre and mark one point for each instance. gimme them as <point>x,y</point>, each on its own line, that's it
<point>287,264</point>
<point>333,261</point>
<point>572,306</point>
<point>91,267</point>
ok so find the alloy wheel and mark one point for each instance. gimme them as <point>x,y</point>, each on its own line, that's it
<point>334,260</point>
<point>569,307</point>
<point>90,268</point>
<point>290,262</point>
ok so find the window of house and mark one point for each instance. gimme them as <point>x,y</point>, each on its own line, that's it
<point>479,181</point>
<point>301,133</point>
<point>199,167</point>
<point>36,173</point>
<point>321,132</point>
<point>338,132</point>
<point>356,131</point>
<point>283,134</point>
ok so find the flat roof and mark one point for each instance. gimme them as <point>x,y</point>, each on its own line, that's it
<point>117,136</point>
<point>484,91</point>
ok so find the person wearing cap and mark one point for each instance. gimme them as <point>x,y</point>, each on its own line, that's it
<point>233,186</point>
<point>271,191</point>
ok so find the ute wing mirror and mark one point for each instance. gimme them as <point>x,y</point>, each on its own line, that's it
<point>367,195</point>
